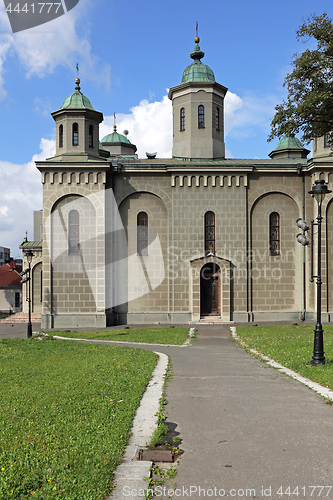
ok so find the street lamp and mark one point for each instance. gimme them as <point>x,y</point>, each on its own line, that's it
<point>319,190</point>
<point>29,255</point>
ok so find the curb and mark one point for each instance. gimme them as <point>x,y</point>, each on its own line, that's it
<point>130,474</point>
<point>323,391</point>
<point>187,342</point>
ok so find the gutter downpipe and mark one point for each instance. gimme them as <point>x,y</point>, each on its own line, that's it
<point>300,172</point>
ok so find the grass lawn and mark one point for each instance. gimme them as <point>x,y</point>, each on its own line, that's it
<point>175,336</point>
<point>65,416</point>
<point>292,346</point>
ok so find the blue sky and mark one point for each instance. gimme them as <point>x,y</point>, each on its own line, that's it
<point>130,53</point>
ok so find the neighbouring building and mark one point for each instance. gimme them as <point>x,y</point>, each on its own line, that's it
<point>10,288</point>
<point>128,240</point>
<point>4,255</point>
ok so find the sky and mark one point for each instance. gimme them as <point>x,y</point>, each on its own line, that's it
<point>129,55</point>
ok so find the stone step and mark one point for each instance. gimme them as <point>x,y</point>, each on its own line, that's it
<point>22,318</point>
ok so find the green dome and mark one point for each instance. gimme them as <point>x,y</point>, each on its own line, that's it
<point>197,71</point>
<point>77,100</point>
<point>289,142</point>
<point>115,137</point>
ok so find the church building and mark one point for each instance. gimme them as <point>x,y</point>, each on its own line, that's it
<point>194,237</point>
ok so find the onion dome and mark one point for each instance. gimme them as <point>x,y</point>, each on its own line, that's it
<point>197,71</point>
<point>77,100</point>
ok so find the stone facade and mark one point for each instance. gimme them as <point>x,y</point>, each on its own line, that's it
<point>173,240</point>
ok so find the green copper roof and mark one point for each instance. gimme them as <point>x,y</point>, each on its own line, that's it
<point>197,71</point>
<point>115,137</point>
<point>77,100</point>
<point>288,142</point>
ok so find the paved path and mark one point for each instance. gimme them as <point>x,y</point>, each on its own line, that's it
<point>248,431</point>
<point>246,426</point>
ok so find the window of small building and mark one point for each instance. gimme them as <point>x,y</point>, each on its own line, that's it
<point>327,140</point>
<point>142,233</point>
<point>75,134</point>
<point>182,119</point>
<point>17,299</point>
<point>209,232</point>
<point>217,118</point>
<point>201,116</point>
<point>61,136</point>
<point>73,232</point>
<point>274,233</point>
<point>91,136</point>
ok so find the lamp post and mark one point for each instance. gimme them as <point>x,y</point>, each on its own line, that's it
<point>319,190</point>
<point>29,256</point>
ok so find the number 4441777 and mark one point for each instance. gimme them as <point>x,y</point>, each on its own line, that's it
<point>306,491</point>
<point>38,8</point>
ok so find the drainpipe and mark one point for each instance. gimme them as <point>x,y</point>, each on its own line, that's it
<point>300,172</point>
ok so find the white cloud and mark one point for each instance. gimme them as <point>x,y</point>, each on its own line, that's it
<point>21,195</point>
<point>149,125</point>
<point>57,43</point>
<point>253,112</point>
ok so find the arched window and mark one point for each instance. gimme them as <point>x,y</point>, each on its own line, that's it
<point>327,140</point>
<point>201,116</point>
<point>61,136</point>
<point>142,234</point>
<point>217,118</point>
<point>73,232</point>
<point>75,134</point>
<point>91,136</point>
<point>182,119</point>
<point>274,233</point>
<point>209,232</point>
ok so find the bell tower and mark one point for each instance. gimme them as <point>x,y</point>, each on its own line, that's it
<point>198,111</point>
<point>77,126</point>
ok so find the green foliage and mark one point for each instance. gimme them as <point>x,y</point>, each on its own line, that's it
<point>175,336</point>
<point>309,105</point>
<point>292,346</point>
<point>65,416</point>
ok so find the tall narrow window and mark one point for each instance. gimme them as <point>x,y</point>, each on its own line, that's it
<point>182,119</point>
<point>61,136</point>
<point>73,232</point>
<point>274,233</point>
<point>75,134</point>
<point>209,232</point>
<point>91,136</point>
<point>201,116</point>
<point>326,140</point>
<point>217,118</point>
<point>142,235</point>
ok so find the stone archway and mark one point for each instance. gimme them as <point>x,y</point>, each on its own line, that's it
<point>217,270</point>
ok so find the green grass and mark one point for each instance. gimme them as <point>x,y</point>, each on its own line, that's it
<point>65,416</point>
<point>175,336</point>
<point>292,346</point>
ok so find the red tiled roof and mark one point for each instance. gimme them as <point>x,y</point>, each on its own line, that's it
<point>9,276</point>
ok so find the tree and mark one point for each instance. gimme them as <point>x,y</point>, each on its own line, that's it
<point>308,108</point>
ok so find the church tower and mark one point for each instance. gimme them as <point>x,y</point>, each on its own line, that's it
<point>198,112</point>
<point>77,127</point>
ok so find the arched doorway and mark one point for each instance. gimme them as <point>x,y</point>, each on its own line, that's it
<point>210,277</point>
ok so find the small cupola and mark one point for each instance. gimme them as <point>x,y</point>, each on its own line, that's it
<point>289,147</point>
<point>118,144</point>
<point>77,126</point>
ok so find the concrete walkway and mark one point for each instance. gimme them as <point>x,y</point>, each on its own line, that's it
<point>248,431</point>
